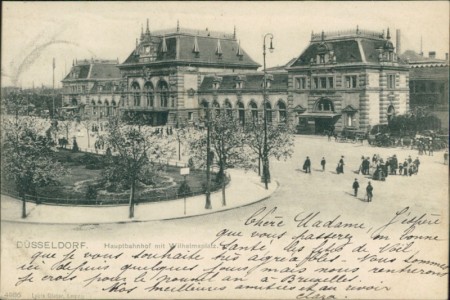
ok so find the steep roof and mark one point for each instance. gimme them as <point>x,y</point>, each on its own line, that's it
<point>251,82</point>
<point>346,47</point>
<point>180,48</point>
<point>93,70</point>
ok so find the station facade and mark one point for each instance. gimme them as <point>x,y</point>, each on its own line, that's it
<point>347,80</point>
<point>352,79</point>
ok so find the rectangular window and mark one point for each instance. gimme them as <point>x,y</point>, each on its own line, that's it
<point>331,82</point>
<point>391,81</point>
<point>315,83</point>
<point>350,82</point>
<point>300,83</point>
<point>190,116</point>
<point>323,82</point>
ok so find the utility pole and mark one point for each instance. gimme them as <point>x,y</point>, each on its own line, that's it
<point>266,171</point>
<point>53,88</point>
<point>208,161</point>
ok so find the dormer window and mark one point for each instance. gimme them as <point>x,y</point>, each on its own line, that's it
<point>216,85</point>
<point>239,85</point>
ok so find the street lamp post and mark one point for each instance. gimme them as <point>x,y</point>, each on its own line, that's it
<point>266,171</point>
<point>208,161</point>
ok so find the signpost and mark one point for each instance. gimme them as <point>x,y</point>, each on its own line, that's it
<point>184,172</point>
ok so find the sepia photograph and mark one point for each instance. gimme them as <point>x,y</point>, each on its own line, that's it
<point>225,150</point>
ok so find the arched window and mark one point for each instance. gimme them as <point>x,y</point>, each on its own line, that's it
<point>254,111</point>
<point>390,113</point>
<point>114,107</point>
<point>163,89</point>
<point>324,105</point>
<point>149,94</point>
<point>282,113</point>
<point>136,91</point>
<point>94,108</point>
<point>228,109</point>
<point>216,108</point>
<point>269,112</point>
<point>74,102</point>
<point>241,113</point>
<point>108,108</point>
<point>203,110</point>
<point>100,108</point>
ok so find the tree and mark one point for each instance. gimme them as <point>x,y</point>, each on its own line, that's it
<point>27,157</point>
<point>227,146</point>
<point>133,149</point>
<point>280,142</point>
<point>87,123</point>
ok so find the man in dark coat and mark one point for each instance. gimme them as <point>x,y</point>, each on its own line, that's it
<point>356,187</point>
<point>369,190</point>
<point>323,163</point>
<point>340,167</point>
<point>417,163</point>
<point>307,165</point>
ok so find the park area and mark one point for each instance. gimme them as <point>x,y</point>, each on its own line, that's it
<point>83,183</point>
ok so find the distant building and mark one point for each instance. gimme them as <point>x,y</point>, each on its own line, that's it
<point>348,79</point>
<point>428,82</point>
<point>164,72</point>
<point>241,96</point>
<point>92,88</point>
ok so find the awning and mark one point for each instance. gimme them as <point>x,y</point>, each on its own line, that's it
<point>318,115</point>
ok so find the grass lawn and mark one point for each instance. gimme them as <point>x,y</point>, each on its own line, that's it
<point>86,168</point>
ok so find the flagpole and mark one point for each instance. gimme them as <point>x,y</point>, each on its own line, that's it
<point>53,88</point>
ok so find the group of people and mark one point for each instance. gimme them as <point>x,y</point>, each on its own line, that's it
<point>424,145</point>
<point>307,165</point>
<point>383,169</point>
<point>369,190</point>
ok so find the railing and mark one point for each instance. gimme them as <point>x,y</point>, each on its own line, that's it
<point>216,34</point>
<point>346,33</point>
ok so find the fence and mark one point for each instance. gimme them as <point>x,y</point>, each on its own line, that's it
<point>105,200</point>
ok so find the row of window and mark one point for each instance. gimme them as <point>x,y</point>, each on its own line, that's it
<point>327,82</point>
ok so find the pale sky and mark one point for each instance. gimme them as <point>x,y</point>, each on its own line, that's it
<point>34,33</point>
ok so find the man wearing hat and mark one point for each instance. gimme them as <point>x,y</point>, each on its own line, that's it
<point>369,190</point>
<point>356,187</point>
<point>307,165</point>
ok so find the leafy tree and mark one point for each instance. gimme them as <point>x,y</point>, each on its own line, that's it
<point>227,146</point>
<point>132,152</point>
<point>27,157</point>
<point>280,142</point>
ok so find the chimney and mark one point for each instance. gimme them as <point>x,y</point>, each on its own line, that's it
<point>432,54</point>
<point>398,42</point>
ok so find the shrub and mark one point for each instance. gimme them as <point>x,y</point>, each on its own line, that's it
<point>91,193</point>
<point>184,189</point>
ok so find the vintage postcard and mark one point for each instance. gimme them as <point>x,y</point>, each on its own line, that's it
<point>224,150</point>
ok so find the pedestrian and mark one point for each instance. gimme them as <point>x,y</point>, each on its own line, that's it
<point>340,166</point>
<point>369,190</point>
<point>430,148</point>
<point>323,163</point>
<point>409,159</point>
<point>307,165</point>
<point>405,168</point>
<point>355,187</point>
<point>417,163</point>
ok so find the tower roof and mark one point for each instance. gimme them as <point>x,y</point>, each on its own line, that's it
<point>193,47</point>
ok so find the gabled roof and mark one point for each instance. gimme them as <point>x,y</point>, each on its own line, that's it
<point>180,48</point>
<point>93,70</point>
<point>349,109</point>
<point>251,82</point>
